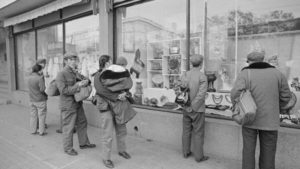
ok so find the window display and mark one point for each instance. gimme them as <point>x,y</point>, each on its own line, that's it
<point>223,35</point>
<point>152,35</point>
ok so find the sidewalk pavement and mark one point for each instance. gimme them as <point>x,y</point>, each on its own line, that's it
<point>21,150</point>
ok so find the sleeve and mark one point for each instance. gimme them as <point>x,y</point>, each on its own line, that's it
<point>42,84</point>
<point>200,97</point>
<point>284,92</point>
<point>63,87</point>
<point>239,86</point>
<point>82,77</point>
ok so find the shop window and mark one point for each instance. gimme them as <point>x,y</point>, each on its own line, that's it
<point>82,37</point>
<point>272,27</point>
<point>151,36</point>
<point>25,58</point>
<point>50,47</point>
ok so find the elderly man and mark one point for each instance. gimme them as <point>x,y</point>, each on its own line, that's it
<point>194,119</point>
<point>69,82</point>
<point>270,91</point>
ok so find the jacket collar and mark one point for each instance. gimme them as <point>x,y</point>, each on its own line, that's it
<point>259,65</point>
<point>35,74</point>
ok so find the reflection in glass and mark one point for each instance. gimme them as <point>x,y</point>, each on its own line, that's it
<point>271,26</point>
<point>220,57</point>
<point>50,47</point>
<point>82,38</point>
<point>26,58</point>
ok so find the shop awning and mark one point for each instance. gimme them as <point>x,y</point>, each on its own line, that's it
<point>51,7</point>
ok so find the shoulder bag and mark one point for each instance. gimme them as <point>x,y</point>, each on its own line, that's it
<point>244,111</point>
<point>52,89</point>
<point>83,94</point>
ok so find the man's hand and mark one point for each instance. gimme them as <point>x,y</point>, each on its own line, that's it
<point>122,96</point>
<point>83,83</point>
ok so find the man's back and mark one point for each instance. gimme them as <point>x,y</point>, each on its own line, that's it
<point>197,84</point>
<point>36,87</point>
<point>269,89</point>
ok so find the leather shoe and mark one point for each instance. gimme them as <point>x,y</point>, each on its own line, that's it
<point>125,155</point>
<point>87,146</point>
<point>204,158</point>
<point>58,131</point>
<point>108,163</point>
<point>71,152</point>
<point>42,134</point>
<point>186,155</point>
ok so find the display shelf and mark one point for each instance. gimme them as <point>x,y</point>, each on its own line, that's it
<point>166,61</point>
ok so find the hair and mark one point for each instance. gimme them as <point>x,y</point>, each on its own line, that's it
<point>102,61</point>
<point>41,61</point>
<point>36,68</point>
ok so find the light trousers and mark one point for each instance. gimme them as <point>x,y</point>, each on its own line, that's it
<point>107,128</point>
<point>38,112</point>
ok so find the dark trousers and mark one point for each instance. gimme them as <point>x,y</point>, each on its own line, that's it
<point>193,123</point>
<point>267,141</point>
<point>70,118</point>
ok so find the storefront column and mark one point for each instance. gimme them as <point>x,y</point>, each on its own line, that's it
<point>105,29</point>
<point>10,59</point>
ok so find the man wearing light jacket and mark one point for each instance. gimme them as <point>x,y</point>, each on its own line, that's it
<point>194,119</point>
<point>270,91</point>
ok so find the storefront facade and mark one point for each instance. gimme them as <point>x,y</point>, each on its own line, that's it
<point>157,37</point>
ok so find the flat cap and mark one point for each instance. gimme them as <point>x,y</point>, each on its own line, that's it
<point>256,56</point>
<point>121,61</point>
<point>70,55</point>
<point>196,60</point>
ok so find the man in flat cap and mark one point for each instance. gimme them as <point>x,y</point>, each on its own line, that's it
<point>69,82</point>
<point>194,119</point>
<point>270,91</point>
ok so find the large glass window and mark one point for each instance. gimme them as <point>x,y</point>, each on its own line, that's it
<point>50,47</point>
<point>26,58</point>
<point>151,36</point>
<point>82,37</point>
<point>271,26</point>
<point>220,45</point>
<point>3,58</point>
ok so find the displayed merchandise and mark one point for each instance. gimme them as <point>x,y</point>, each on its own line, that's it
<point>157,80</point>
<point>138,94</point>
<point>211,77</point>
<point>166,58</point>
